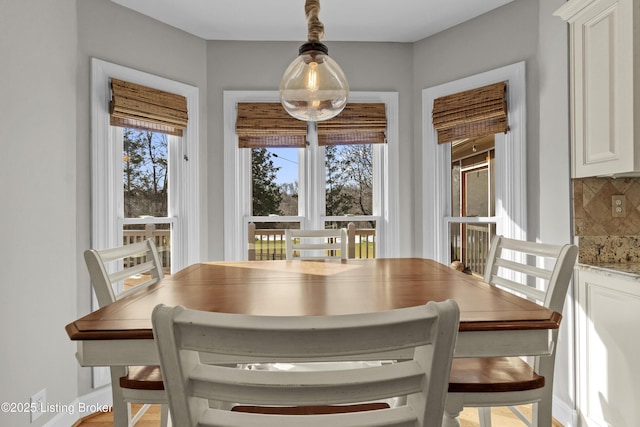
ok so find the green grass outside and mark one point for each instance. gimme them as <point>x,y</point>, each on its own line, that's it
<point>265,250</point>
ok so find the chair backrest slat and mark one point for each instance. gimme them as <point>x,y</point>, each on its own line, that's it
<point>133,249</point>
<point>132,271</point>
<point>217,383</point>
<point>324,244</point>
<point>310,337</point>
<point>529,270</point>
<point>530,292</point>
<point>183,336</point>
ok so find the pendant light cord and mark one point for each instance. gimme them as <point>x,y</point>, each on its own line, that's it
<point>315,27</point>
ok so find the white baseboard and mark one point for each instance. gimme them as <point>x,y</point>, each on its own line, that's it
<point>97,400</point>
<point>566,415</point>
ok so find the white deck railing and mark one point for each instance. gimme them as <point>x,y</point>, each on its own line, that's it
<point>269,243</point>
<point>472,247</point>
<point>162,239</point>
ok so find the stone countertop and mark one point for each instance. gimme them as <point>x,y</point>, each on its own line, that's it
<point>629,269</point>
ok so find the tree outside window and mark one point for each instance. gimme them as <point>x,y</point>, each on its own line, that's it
<point>145,173</point>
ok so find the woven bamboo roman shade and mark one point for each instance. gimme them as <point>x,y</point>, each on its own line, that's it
<point>145,108</point>
<point>470,114</point>
<point>358,123</point>
<point>267,124</point>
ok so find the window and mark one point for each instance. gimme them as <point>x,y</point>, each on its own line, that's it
<point>347,190</point>
<point>320,186</point>
<point>504,173</point>
<point>145,195</point>
<point>127,162</point>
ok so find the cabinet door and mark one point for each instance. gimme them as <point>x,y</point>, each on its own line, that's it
<point>608,383</point>
<point>602,89</point>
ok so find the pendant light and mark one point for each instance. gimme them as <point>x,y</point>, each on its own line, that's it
<point>314,87</point>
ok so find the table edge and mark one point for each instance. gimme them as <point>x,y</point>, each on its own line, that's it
<point>75,334</point>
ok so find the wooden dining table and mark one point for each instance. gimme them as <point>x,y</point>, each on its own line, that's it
<point>492,322</point>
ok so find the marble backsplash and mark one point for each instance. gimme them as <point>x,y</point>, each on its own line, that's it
<point>609,249</point>
<point>602,237</point>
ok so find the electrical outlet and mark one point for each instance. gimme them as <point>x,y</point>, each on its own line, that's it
<point>618,206</point>
<point>38,403</point>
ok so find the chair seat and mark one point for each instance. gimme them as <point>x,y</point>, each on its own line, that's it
<point>310,410</point>
<point>492,374</point>
<point>143,378</point>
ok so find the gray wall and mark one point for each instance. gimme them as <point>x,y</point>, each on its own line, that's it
<point>504,36</point>
<point>38,259</point>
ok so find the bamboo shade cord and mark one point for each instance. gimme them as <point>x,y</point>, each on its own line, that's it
<point>315,28</point>
<point>358,123</point>
<point>267,124</point>
<point>470,114</point>
<point>145,108</point>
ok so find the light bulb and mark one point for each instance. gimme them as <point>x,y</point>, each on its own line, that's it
<point>314,87</point>
<point>312,77</point>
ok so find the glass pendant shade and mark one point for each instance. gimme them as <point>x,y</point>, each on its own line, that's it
<point>314,87</point>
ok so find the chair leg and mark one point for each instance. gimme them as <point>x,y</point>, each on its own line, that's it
<point>518,413</point>
<point>138,415</point>
<point>121,409</point>
<point>452,409</point>
<point>542,413</point>
<point>165,420</point>
<point>484,415</point>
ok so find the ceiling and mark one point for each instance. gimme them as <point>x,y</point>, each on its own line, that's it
<point>284,20</point>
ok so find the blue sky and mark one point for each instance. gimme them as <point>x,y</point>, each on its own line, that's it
<point>287,160</point>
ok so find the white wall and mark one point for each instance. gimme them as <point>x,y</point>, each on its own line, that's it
<point>38,262</point>
<point>552,172</point>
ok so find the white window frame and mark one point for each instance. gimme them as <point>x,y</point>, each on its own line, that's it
<point>510,165</point>
<point>106,170</point>
<point>106,173</point>
<point>237,174</point>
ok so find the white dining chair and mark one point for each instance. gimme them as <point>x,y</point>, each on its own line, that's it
<point>428,332</point>
<point>316,244</point>
<point>129,384</point>
<point>538,272</point>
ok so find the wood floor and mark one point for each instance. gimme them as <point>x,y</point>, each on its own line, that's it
<point>501,417</point>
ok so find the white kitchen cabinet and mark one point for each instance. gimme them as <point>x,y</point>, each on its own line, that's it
<point>605,86</point>
<point>608,344</point>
